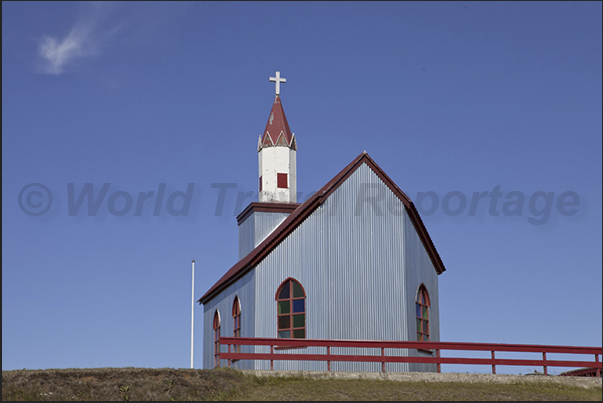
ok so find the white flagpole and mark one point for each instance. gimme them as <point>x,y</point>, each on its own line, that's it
<point>192,312</point>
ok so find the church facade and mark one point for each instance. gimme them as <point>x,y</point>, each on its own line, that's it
<point>354,262</point>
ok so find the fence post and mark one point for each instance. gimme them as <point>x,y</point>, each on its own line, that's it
<point>328,361</point>
<point>493,365</point>
<point>544,362</point>
<point>271,360</point>
<point>438,357</point>
<point>229,355</point>
<point>382,361</point>
<point>598,373</point>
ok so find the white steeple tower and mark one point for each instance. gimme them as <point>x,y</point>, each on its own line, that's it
<point>276,155</point>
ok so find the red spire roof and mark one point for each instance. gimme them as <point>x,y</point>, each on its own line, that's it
<point>277,132</point>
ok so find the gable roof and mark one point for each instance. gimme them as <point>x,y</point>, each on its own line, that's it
<point>305,209</point>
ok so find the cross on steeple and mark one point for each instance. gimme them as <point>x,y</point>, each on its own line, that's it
<point>278,81</point>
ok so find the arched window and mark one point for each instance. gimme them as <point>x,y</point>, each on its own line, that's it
<point>422,314</point>
<point>236,316</point>
<point>291,310</point>
<point>216,339</point>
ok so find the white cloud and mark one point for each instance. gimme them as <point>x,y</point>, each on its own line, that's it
<point>84,39</point>
<point>57,55</point>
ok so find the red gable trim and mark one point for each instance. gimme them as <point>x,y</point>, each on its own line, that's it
<point>271,207</point>
<point>305,209</point>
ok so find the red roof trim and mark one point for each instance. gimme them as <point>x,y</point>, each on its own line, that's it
<point>305,209</point>
<point>266,207</point>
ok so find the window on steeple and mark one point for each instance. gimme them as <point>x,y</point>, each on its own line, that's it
<point>281,181</point>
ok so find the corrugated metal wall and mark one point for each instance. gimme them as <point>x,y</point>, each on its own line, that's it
<point>246,236</point>
<point>256,228</point>
<point>420,270</point>
<point>244,288</point>
<point>349,256</point>
<point>359,276</point>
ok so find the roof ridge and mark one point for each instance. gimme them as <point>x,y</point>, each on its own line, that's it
<point>298,215</point>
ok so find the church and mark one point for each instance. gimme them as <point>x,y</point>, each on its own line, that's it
<point>353,262</point>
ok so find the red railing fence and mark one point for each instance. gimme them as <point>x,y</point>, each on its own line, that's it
<point>434,347</point>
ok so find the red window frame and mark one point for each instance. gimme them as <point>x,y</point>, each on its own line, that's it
<point>422,314</point>
<point>216,339</point>
<point>236,317</point>
<point>281,181</point>
<point>291,310</point>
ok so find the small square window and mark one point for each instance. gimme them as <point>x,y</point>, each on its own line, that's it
<point>284,322</point>
<point>281,181</point>
<point>298,305</point>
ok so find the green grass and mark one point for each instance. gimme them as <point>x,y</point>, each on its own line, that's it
<point>138,384</point>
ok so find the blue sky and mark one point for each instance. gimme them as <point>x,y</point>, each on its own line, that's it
<point>449,98</point>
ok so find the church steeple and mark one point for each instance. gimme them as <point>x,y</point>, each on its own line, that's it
<point>276,155</point>
<point>277,131</point>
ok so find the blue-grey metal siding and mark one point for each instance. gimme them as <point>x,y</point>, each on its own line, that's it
<point>360,262</point>
<point>350,258</point>
<point>256,228</point>
<point>420,270</point>
<point>244,288</point>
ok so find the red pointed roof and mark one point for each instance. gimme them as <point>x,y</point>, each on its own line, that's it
<point>305,209</point>
<point>277,125</point>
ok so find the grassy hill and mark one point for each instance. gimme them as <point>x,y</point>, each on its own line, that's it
<point>228,384</point>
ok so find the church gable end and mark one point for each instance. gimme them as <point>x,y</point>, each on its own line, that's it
<point>314,202</point>
<point>349,254</point>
